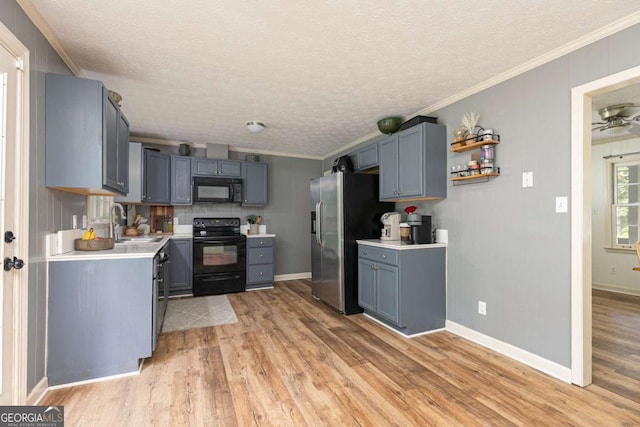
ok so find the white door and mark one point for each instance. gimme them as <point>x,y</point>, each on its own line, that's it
<point>13,148</point>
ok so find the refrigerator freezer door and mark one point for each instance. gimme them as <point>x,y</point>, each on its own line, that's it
<point>316,249</point>
<point>329,235</point>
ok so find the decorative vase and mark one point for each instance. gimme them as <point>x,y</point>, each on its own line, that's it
<point>184,150</point>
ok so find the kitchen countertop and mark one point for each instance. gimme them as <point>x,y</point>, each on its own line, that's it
<point>120,251</point>
<point>398,244</point>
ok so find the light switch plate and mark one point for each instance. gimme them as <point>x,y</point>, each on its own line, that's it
<point>527,179</point>
<point>562,204</point>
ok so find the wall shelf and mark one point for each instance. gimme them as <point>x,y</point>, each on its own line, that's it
<point>484,177</point>
<point>471,146</point>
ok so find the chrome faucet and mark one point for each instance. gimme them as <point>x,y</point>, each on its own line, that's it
<point>113,223</point>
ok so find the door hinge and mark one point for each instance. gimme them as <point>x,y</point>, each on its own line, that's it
<point>20,64</point>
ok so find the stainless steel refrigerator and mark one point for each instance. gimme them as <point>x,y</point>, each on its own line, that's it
<point>344,208</point>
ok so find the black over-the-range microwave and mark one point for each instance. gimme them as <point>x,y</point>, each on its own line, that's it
<point>216,190</point>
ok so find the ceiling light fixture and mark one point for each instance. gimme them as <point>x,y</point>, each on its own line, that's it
<point>255,127</point>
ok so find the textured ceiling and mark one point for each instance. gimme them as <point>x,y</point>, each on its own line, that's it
<point>318,74</point>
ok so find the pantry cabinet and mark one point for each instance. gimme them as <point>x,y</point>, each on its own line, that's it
<point>413,164</point>
<point>403,286</point>
<point>87,137</point>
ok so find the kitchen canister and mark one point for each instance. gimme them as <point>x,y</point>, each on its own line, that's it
<point>486,152</point>
<point>254,229</point>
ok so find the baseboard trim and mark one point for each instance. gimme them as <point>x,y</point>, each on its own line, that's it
<point>294,276</point>
<point>417,334</point>
<point>38,392</point>
<point>617,290</point>
<point>540,363</point>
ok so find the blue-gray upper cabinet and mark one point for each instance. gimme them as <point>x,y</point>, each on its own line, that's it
<point>255,184</point>
<point>134,195</point>
<point>156,178</point>
<point>211,167</point>
<point>365,157</point>
<point>181,180</point>
<point>413,164</point>
<point>87,137</point>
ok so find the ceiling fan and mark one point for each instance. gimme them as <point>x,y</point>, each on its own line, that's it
<point>619,118</point>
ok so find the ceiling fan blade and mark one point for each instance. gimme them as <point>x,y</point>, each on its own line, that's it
<point>599,123</point>
<point>635,129</point>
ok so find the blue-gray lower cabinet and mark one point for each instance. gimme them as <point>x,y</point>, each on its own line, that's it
<point>181,266</point>
<point>405,289</point>
<point>260,258</point>
<point>99,318</point>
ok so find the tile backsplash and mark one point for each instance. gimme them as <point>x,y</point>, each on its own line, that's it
<point>185,214</point>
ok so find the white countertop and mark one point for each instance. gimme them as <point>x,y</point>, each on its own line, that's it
<point>120,251</point>
<point>398,244</point>
<point>255,236</point>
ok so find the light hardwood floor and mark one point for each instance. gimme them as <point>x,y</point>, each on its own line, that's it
<point>291,360</point>
<point>616,343</point>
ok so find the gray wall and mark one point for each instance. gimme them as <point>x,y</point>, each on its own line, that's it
<point>507,246</point>
<point>286,215</point>
<point>49,210</point>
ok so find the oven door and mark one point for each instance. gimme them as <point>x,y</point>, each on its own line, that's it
<point>219,255</point>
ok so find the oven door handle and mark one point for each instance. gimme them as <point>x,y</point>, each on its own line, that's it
<point>220,278</point>
<point>218,240</point>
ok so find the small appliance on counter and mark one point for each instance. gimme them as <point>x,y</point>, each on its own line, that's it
<point>420,229</point>
<point>391,226</point>
<point>342,164</point>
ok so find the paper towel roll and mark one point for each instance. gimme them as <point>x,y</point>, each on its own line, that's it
<point>442,236</point>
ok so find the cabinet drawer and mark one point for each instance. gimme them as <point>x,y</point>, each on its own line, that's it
<point>388,256</point>
<point>260,273</point>
<point>259,242</point>
<point>261,255</point>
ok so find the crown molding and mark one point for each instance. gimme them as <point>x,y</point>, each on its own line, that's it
<point>581,42</point>
<point>32,12</point>
<point>231,148</point>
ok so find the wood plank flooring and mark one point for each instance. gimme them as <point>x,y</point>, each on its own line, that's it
<point>291,360</point>
<point>616,343</point>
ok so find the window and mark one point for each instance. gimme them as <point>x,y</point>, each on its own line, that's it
<point>625,208</point>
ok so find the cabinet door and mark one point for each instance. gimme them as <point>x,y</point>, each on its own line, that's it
<point>388,150</point>
<point>180,266</point>
<point>388,293</point>
<point>367,157</point>
<point>180,180</point>
<point>366,284</point>
<point>123,153</point>
<point>230,168</point>
<point>411,162</point>
<point>254,184</point>
<point>156,177</point>
<point>110,142</point>
<point>205,167</point>
<point>134,195</point>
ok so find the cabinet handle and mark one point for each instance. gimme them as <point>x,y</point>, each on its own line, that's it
<point>261,243</point>
<point>364,252</point>
<point>261,273</point>
<point>261,256</point>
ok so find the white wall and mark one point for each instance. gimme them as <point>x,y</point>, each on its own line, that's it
<point>625,279</point>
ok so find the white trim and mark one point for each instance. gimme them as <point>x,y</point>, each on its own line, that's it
<point>533,360</point>
<point>38,392</point>
<point>97,380</point>
<point>169,142</point>
<point>294,276</point>
<point>21,292</point>
<point>594,36</point>
<point>259,289</point>
<point>417,334</point>
<point>581,281</point>
<point>616,289</point>
<point>32,12</point>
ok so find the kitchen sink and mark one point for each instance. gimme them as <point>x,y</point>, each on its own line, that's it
<point>138,240</point>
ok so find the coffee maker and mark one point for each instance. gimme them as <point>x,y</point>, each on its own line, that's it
<point>391,226</point>
<point>420,228</point>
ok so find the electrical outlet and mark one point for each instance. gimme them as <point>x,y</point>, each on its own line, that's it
<point>527,179</point>
<point>613,270</point>
<point>482,308</point>
<point>562,204</point>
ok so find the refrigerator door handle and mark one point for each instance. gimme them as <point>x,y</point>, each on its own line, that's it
<point>319,223</point>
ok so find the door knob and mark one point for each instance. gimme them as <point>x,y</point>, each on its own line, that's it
<point>9,237</point>
<point>13,263</point>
